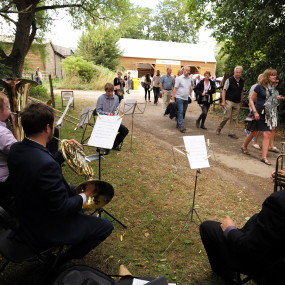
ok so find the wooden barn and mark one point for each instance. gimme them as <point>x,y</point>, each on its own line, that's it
<point>147,56</point>
<point>46,55</point>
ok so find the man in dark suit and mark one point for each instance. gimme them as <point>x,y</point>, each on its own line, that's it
<point>48,213</point>
<point>258,248</point>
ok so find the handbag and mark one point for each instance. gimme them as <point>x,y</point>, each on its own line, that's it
<point>250,122</point>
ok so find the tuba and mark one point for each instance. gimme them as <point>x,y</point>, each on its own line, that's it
<point>279,175</point>
<point>75,158</point>
<point>18,91</point>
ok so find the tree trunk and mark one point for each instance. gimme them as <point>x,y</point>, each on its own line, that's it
<point>25,34</point>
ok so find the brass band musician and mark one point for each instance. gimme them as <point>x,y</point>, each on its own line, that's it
<point>48,213</point>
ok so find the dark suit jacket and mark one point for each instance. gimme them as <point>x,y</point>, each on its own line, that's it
<point>199,88</point>
<point>45,209</point>
<point>261,241</point>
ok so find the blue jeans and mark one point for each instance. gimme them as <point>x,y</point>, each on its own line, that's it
<point>182,107</point>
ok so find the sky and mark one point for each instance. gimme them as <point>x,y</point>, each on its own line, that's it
<point>64,35</point>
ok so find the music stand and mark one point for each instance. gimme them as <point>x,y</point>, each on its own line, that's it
<point>180,153</point>
<point>133,107</point>
<point>103,137</point>
<point>198,154</point>
<point>84,119</point>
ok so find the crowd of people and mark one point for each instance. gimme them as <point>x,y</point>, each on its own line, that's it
<point>55,214</point>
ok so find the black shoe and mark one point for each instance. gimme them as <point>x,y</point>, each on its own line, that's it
<point>203,127</point>
<point>117,148</point>
<point>198,124</point>
<point>182,129</point>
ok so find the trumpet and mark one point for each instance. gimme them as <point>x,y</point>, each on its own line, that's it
<point>279,175</point>
<point>75,158</point>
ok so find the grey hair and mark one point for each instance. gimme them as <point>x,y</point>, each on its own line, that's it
<point>238,67</point>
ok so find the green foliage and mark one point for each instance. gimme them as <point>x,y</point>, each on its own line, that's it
<point>252,32</point>
<point>40,92</point>
<point>99,45</point>
<point>137,24</point>
<point>79,67</point>
<point>172,23</point>
<point>101,75</point>
<point>168,22</point>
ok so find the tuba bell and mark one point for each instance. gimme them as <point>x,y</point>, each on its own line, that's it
<point>279,175</point>
<point>18,91</point>
<point>75,158</point>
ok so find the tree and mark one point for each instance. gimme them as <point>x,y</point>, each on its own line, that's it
<point>137,23</point>
<point>252,31</point>
<point>99,45</point>
<point>171,22</point>
<point>31,18</point>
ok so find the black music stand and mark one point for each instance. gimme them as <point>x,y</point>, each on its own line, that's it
<point>132,107</point>
<point>98,144</point>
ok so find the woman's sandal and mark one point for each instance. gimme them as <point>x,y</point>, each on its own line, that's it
<point>264,160</point>
<point>244,150</point>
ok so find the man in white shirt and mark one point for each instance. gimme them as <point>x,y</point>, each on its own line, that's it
<point>182,90</point>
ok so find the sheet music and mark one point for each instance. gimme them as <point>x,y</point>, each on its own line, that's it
<point>196,151</point>
<point>59,122</point>
<point>143,282</point>
<point>105,131</point>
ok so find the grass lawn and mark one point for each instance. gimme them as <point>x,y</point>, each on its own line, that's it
<point>154,200</point>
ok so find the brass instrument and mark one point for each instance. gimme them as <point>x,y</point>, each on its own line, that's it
<point>75,158</point>
<point>279,175</point>
<point>71,119</point>
<point>17,90</point>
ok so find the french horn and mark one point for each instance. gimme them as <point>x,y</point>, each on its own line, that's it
<point>75,158</point>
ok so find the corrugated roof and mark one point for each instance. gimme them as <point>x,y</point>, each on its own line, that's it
<point>166,50</point>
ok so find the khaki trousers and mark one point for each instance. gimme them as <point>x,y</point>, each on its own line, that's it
<point>232,115</point>
<point>166,98</point>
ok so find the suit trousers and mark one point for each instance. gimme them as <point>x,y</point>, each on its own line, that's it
<point>122,133</point>
<point>214,241</point>
<point>232,115</point>
<point>90,233</point>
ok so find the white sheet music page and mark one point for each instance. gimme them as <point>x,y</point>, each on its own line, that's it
<point>196,151</point>
<point>105,131</point>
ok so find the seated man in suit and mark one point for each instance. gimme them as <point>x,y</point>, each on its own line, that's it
<point>106,105</point>
<point>48,213</point>
<point>257,249</point>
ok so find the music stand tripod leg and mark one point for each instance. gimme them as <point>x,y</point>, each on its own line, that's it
<point>193,210</point>
<point>100,210</point>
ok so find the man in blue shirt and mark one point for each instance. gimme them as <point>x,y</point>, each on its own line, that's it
<point>166,86</point>
<point>106,105</point>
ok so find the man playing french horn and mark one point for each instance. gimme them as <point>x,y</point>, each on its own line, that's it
<point>48,213</point>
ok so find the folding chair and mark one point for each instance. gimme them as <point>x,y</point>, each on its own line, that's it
<point>18,250</point>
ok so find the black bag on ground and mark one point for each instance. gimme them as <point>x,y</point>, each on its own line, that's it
<point>250,122</point>
<point>83,275</point>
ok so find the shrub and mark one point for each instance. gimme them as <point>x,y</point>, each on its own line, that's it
<point>40,92</point>
<point>76,66</point>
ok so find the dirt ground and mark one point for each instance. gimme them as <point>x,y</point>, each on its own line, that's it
<point>245,170</point>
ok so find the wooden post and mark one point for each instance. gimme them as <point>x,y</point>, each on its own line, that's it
<point>51,91</point>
